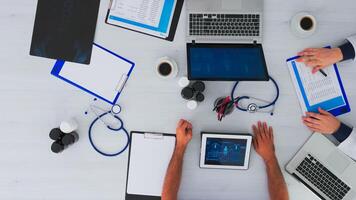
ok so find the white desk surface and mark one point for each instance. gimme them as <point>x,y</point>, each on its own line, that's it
<point>33,102</point>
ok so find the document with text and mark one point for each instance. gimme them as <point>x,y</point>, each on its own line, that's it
<point>142,11</point>
<point>153,17</point>
<point>316,90</point>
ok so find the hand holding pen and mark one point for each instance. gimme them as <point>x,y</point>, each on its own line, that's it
<point>319,58</point>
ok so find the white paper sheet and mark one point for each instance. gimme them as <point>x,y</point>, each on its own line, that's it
<point>102,76</point>
<point>149,159</point>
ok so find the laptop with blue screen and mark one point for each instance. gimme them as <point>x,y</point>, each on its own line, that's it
<point>226,62</point>
<point>224,40</point>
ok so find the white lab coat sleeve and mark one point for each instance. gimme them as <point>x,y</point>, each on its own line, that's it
<point>348,146</point>
<point>352,40</point>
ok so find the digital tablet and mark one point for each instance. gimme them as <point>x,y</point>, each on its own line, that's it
<point>225,150</point>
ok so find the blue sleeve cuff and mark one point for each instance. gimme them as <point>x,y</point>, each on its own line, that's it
<point>348,51</point>
<point>342,133</point>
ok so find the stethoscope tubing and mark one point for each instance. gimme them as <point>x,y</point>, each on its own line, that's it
<point>238,99</point>
<point>121,128</point>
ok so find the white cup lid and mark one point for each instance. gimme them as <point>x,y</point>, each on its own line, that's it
<point>183,82</point>
<point>68,126</point>
<point>192,105</point>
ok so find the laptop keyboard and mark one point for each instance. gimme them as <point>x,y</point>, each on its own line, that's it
<point>322,178</point>
<point>242,25</point>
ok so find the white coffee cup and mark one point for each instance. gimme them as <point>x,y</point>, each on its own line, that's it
<point>303,25</point>
<point>166,68</point>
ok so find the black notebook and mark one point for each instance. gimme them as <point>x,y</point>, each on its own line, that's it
<point>65,29</point>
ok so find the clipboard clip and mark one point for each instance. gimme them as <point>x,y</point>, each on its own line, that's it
<point>156,136</point>
<point>120,86</point>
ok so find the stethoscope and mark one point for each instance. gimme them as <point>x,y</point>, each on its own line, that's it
<point>254,107</point>
<point>114,112</point>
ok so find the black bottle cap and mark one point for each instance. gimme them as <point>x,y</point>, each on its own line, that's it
<point>198,86</point>
<point>187,93</point>
<point>56,134</point>
<point>199,97</point>
<point>68,139</point>
<point>57,147</point>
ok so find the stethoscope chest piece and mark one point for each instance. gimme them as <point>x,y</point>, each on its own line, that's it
<point>116,109</point>
<point>252,108</point>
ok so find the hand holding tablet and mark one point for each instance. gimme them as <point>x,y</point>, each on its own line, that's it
<point>232,151</point>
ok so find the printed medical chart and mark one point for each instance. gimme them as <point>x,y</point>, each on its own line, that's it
<point>142,11</point>
<point>316,90</point>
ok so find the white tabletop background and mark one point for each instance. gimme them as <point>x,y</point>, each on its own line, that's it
<point>33,102</point>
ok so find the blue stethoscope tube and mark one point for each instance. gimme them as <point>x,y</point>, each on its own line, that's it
<point>121,128</point>
<point>238,99</point>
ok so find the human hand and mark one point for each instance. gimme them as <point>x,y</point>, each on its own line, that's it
<point>324,122</point>
<point>319,58</point>
<point>184,133</point>
<point>263,141</point>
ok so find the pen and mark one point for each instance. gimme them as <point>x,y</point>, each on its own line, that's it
<point>323,73</point>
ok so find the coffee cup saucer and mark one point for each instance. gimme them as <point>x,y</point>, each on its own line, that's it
<point>173,65</point>
<point>296,28</point>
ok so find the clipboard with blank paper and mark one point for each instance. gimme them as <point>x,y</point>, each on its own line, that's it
<point>317,90</point>
<point>104,78</point>
<point>149,157</point>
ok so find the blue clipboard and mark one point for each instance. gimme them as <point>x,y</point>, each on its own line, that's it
<point>60,64</point>
<point>336,111</point>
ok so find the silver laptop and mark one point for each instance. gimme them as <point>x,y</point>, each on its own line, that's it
<point>324,169</point>
<point>221,21</point>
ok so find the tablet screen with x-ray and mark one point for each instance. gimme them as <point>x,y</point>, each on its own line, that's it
<point>226,62</point>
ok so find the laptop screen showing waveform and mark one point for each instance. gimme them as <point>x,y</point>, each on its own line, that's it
<point>226,62</point>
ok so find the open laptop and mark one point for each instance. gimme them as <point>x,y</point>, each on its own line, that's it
<point>324,169</point>
<point>225,31</point>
